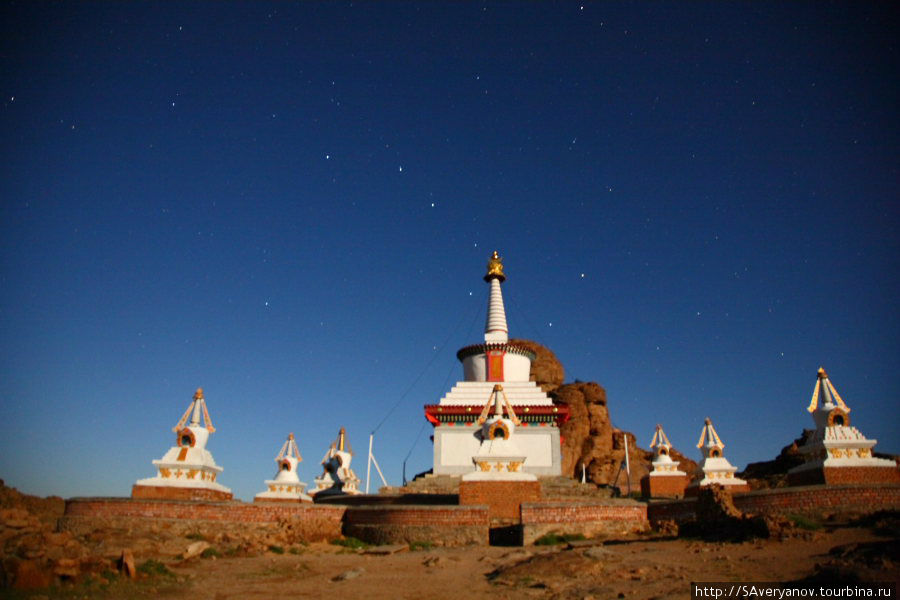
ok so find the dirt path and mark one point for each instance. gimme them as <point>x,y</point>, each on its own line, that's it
<point>642,569</point>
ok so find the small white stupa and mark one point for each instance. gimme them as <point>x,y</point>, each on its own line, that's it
<point>664,480</point>
<point>838,453</point>
<point>337,476</point>
<point>499,458</point>
<point>286,487</point>
<point>187,471</point>
<point>714,467</point>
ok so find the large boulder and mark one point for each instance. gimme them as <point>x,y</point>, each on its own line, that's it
<point>589,438</point>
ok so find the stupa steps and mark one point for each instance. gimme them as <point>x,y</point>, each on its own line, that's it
<point>478,392</point>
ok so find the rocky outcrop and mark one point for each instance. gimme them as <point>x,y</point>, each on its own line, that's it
<point>32,553</point>
<point>718,519</point>
<point>589,438</point>
<point>773,473</point>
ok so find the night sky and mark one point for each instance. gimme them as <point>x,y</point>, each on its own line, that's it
<point>292,206</point>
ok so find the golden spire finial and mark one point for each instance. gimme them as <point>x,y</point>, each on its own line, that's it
<point>198,395</point>
<point>495,268</point>
<point>341,435</point>
<point>822,374</point>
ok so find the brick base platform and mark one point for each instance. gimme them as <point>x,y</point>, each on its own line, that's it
<point>153,492</point>
<point>692,491</point>
<point>845,475</point>
<point>282,500</point>
<point>813,500</point>
<point>504,498</point>
<point>664,486</point>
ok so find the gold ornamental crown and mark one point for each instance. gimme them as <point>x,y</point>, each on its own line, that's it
<point>495,268</point>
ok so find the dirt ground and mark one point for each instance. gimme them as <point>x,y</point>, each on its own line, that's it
<point>640,569</point>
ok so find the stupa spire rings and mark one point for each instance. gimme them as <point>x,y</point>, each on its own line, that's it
<point>495,268</point>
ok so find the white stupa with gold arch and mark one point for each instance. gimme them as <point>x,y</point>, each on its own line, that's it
<point>188,470</point>
<point>286,487</point>
<point>837,452</point>
<point>499,457</point>
<point>714,468</point>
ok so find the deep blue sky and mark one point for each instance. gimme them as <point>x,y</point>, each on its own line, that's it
<point>291,205</point>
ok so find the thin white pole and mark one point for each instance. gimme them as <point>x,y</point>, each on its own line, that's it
<point>377,468</point>
<point>369,463</point>
<point>627,463</point>
<point>583,474</point>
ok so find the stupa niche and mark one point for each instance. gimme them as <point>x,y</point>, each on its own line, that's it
<point>286,487</point>
<point>664,480</point>
<point>838,453</point>
<point>187,471</point>
<point>337,476</point>
<point>457,435</point>
<point>714,468</point>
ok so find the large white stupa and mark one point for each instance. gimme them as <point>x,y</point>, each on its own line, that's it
<point>286,487</point>
<point>187,471</point>
<point>838,453</point>
<point>457,435</point>
<point>714,468</point>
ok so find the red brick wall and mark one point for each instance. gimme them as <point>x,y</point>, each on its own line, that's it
<point>795,500</point>
<point>209,511</point>
<point>589,518</point>
<point>579,512</point>
<point>444,525</point>
<point>417,515</point>
<point>503,497</point>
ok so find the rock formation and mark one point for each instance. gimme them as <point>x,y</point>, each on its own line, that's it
<point>773,473</point>
<point>32,553</point>
<point>589,436</point>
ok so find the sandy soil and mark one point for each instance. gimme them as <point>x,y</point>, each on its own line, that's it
<point>642,569</point>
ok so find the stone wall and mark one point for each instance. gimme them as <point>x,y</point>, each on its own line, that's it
<point>588,518</point>
<point>439,525</point>
<point>809,500</point>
